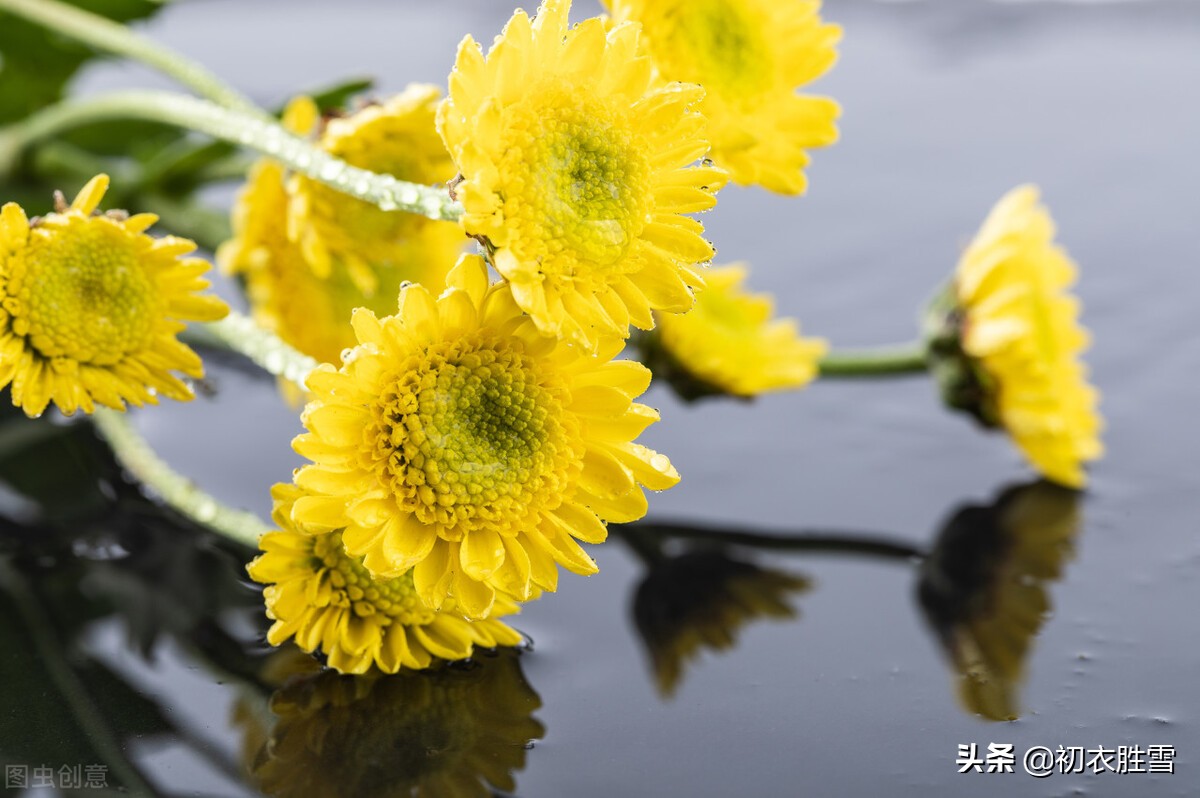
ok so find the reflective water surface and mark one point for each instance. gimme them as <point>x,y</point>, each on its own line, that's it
<point>911,588</point>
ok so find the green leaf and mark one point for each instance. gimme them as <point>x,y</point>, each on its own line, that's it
<point>37,63</point>
<point>338,96</point>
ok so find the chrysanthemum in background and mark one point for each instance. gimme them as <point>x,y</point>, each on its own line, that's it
<point>578,172</point>
<point>1006,341</point>
<point>326,601</point>
<point>750,56</point>
<point>90,307</point>
<point>459,442</point>
<point>340,253</point>
<point>397,137</point>
<point>730,344</point>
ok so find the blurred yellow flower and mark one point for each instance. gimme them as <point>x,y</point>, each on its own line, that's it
<point>459,442</point>
<point>304,290</point>
<point>451,732</point>
<point>729,343</point>
<point>578,173</point>
<point>397,137</point>
<point>324,599</point>
<point>90,307</point>
<point>750,56</point>
<point>1010,311</point>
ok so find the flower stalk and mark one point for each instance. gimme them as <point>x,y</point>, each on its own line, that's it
<point>180,493</point>
<point>237,127</point>
<point>264,348</point>
<point>881,361</point>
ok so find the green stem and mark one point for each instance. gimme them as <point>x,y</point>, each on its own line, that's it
<point>264,348</point>
<point>135,454</point>
<point>113,37</point>
<point>909,358</point>
<point>265,136</point>
<point>812,542</point>
<point>73,691</point>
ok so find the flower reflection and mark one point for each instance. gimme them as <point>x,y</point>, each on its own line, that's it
<point>457,731</point>
<point>700,600</point>
<point>984,589</point>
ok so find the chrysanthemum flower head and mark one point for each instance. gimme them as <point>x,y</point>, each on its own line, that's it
<point>578,172</point>
<point>90,306</point>
<point>452,731</point>
<point>730,344</point>
<point>397,137</point>
<point>750,56</point>
<point>324,599</point>
<point>1006,341</point>
<point>459,442</point>
<point>308,303</point>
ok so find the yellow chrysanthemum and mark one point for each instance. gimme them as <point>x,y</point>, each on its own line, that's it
<point>750,56</point>
<point>1017,325</point>
<point>287,295</point>
<point>458,441</point>
<point>451,732</point>
<point>90,306</point>
<point>577,172</point>
<point>397,137</point>
<point>729,344</point>
<point>328,602</point>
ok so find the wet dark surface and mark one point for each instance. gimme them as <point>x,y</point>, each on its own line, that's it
<point>947,105</point>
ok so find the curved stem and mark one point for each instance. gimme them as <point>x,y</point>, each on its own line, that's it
<point>264,348</point>
<point>263,135</point>
<point>113,37</point>
<point>909,358</point>
<point>135,454</point>
<point>807,541</point>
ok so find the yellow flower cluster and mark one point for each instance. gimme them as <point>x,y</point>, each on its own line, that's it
<point>469,441</point>
<point>464,437</point>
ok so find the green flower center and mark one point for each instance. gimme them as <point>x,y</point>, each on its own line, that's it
<point>84,293</point>
<point>578,184</point>
<point>473,432</point>
<point>354,586</point>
